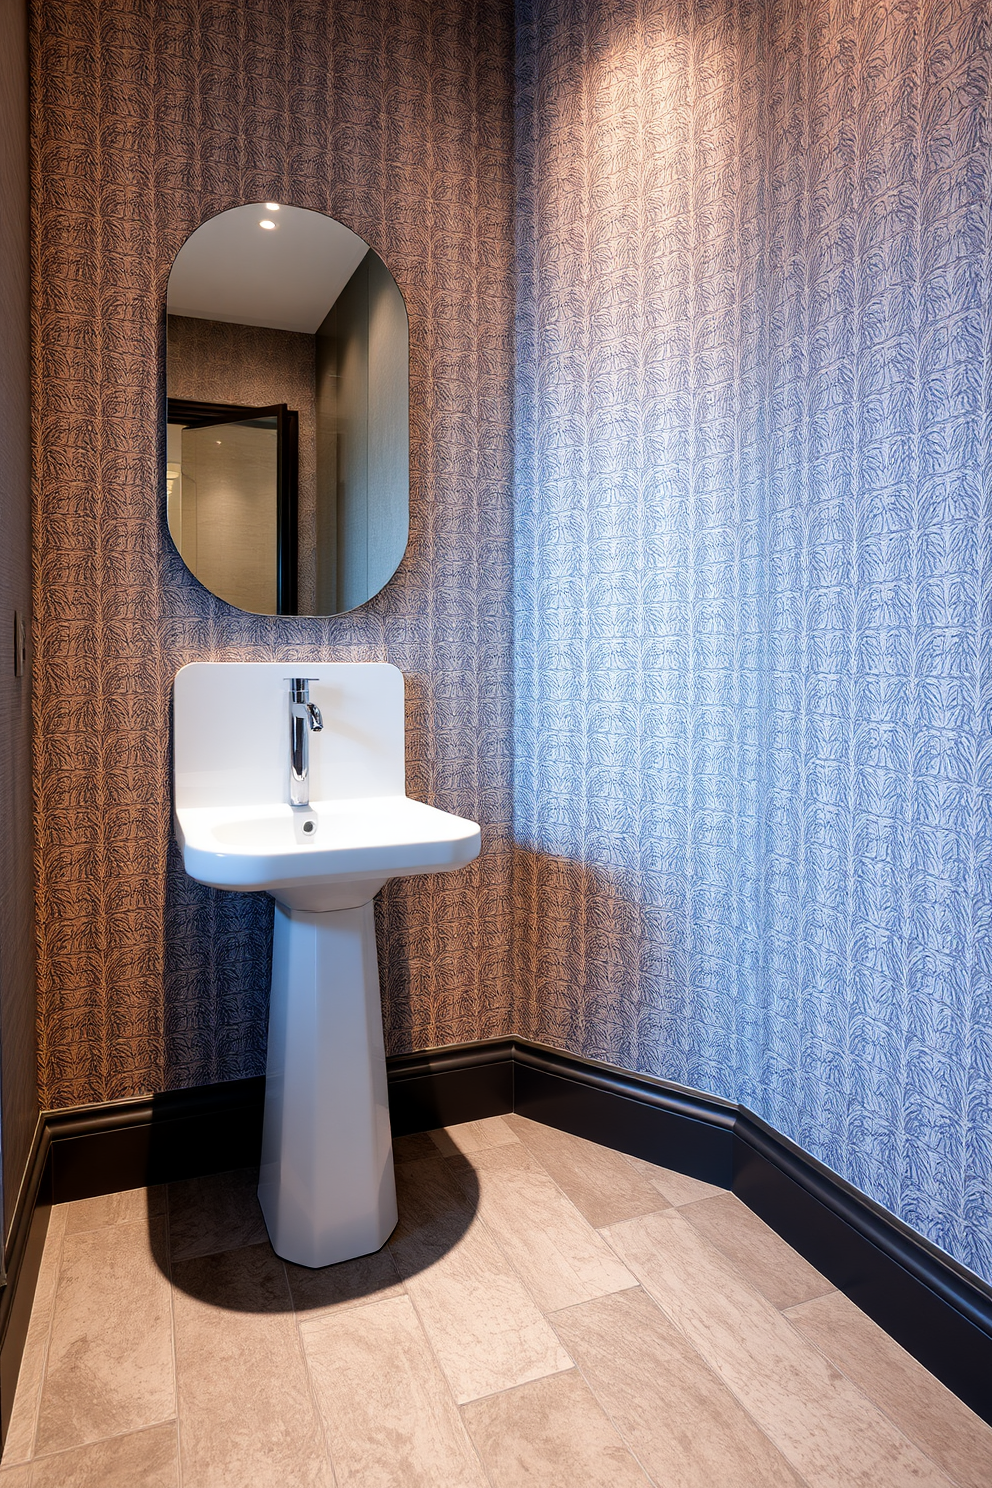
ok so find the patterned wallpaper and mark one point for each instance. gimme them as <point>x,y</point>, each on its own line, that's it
<point>753,604</point>
<point>148,118</point>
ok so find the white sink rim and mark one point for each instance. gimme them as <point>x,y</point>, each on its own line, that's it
<point>384,837</point>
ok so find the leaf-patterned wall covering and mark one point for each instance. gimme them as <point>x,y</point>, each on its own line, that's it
<point>753,549</point>
<point>148,117</point>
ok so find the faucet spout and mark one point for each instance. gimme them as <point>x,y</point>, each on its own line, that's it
<point>304,719</point>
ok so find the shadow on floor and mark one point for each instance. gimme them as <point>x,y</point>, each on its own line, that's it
<point>208,1236</point>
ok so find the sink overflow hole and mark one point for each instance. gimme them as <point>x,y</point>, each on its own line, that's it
<point>309,826</point>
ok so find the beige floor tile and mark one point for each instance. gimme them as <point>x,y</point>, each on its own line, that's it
<point>755,1249</point>
<point>602,1184</point>
<point>110,1354</point>
<point>368,1279</point>
<point>142,1459</point>
<point>559,1256</point>
<point>128,1207</point>
<point>484,1327</point>
<point>246,1415</point>
<point>389,1415</point>
<point>677,1188</point>
<point>16,1477</point>
<point>413,1147</point>
<point>677,1417</point>
<point>19,1444</point>
<point>830,1433</point>
<point>473,1136</point>
<point>550,1434</point>
<point>219,1212</point>
<point>957,1440</point>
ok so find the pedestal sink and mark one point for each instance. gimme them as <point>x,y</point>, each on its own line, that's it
<point>326,1181</point>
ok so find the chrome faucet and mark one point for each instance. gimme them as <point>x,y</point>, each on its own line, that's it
<point>304,718</point>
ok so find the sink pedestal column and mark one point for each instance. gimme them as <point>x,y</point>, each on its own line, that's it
<point>326,1183</point>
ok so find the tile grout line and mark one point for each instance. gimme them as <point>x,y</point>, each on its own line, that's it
<point>783,1312</point>
<point>812,1346</point>
<point>628,1158</point>
<point>634,1161</point>
<point>571,1202</point>
<point>602,1404</point>
<point>867,1398</point>
<point>689,1204</point>
<point>451,1392</point>
<point>577,1368</point>
<point>311,1385</point>
<point>549,1316</point>
<point>596,1229</point>
<point>478,1219</point>
<point>829,1288</point>
<point>446,1157</point>
<point>35,1456</point>
<point>96,1442</point>
<point>692,1347</point>
<point>519,1141</point>
<point>801,1481</point>
<point>440,1367</point>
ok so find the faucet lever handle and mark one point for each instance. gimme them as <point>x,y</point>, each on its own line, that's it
<point>299,690</point>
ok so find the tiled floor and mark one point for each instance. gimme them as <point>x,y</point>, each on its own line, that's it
<point>547,1313</point>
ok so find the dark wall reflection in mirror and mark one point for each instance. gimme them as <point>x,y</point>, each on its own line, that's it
<point>288,412</point>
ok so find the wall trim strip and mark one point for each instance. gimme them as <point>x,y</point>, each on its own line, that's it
<point>937,1309</point>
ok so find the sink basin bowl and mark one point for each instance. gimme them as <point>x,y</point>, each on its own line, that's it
<point>332,855</point>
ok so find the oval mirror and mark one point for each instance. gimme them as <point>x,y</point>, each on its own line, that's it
<point>288,442</point>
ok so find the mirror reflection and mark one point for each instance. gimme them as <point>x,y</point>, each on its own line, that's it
<point>288,412</point>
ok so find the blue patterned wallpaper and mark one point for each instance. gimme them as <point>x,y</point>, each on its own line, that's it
<point>753,604</point>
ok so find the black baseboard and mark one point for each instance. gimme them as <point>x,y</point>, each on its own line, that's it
<point>441,1087</point>
<point>939,1311</point>
<point>646,1118</point>
<point>157,1139</point>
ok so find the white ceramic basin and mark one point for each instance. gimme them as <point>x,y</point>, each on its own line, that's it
<point>334,855</point>
<point>233,819</point>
